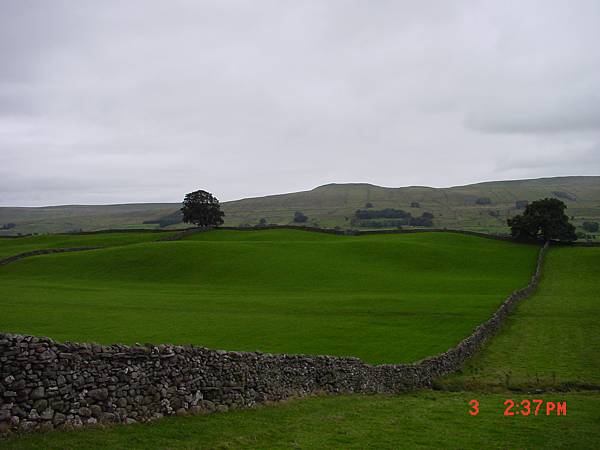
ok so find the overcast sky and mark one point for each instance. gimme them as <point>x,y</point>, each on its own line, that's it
<point>143,101</point>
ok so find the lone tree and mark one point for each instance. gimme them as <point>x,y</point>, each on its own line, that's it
<point>299,217</point>
<point>202,209</point>
<point>590,227</point>
<point>544,219</point>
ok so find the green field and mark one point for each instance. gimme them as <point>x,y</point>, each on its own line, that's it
<point>548,346</point>
<point>282,291</point>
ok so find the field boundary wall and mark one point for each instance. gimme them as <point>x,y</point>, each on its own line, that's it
<point>46,251</point>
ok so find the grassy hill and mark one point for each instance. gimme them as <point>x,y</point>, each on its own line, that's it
<point>455,207</point>
<point>279,291</point>
<point>334,204</point>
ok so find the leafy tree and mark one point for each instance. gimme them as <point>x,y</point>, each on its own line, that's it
<point>388,213</point>
<point>426,220</point>
<point>202,209</point>
<point>299,217</point>
<point>544,219</point>
<point>590,227</point>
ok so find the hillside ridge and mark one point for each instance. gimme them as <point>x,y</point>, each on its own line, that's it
<point>482,206</point>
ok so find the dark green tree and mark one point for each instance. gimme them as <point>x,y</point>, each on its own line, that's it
<point>543,219</point>
<point>590,227</point>
<point>426,220</point>
<point>299,217</point>
<point>202,209</point>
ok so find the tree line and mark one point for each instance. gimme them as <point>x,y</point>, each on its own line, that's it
<point>390,217</point>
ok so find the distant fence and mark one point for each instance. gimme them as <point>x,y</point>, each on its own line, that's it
<point>355,232</point>
<point>120,230</point>
<point>45,251</point>
<point>45,384</point>
<point>347,232</point>
<point>108,230</point>
<point>180,233</point>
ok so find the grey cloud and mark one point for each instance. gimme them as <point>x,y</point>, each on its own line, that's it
<point>545,116</point>
<point>144,100</point>
<point>572,158</point>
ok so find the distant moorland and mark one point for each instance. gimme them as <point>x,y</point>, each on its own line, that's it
<point>477,207</point>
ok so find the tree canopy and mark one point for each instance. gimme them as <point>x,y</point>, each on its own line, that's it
<point>545,219</point>
<point>299,217</point>
<point>202,209</point>
<point>388,213</point>
<point>590,227</point>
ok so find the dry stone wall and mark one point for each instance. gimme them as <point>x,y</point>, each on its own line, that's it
<point>355,232</point>
<point>46,251</point>
<point>45,384</point>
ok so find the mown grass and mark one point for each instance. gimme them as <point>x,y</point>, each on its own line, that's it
<point>425,419</point>
<point>553,339</point>
<point>385,298</point>
<point>13,246</point>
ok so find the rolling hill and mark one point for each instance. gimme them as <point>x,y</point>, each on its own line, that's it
<point>478,207</point>
<point>280,291</point>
